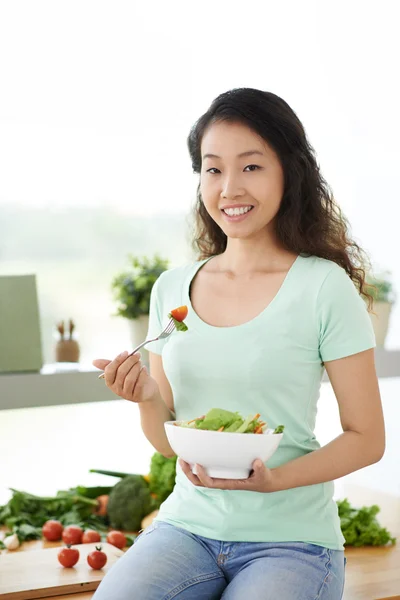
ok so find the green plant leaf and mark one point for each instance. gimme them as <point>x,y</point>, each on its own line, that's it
<point>132,289</point>
<point>381,289</point>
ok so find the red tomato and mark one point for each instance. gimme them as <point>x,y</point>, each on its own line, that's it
<point>72,535</point>
<point>52,530</point>
<point>97,559</point>
<point>68,556</point>
<point>90,535</point>
<point>180,313</point>
<point>117,538</point>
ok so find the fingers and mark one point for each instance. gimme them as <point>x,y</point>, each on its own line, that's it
<point>101,363</point>
<point>125,374</point>
<point>112,368</point>
<point>141,380</point>
<point>203,480</point>
<point>118,368</point>
<point>188,472</point>
<point>130,378</point>
<point>127,377</point>
<point>221,484</point>
<point>258,467</point>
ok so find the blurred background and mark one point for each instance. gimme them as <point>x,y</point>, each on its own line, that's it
<point>97,99</point>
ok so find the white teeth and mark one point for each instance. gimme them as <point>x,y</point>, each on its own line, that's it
<point>235,212</point>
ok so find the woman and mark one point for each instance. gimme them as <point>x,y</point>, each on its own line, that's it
<point>274,298</point>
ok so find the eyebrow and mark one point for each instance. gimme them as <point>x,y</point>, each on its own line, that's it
<point>241,155</point>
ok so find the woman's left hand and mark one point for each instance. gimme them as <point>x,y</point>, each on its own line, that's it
<point>260,479</point>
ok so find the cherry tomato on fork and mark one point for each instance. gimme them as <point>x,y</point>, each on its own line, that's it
<point>180,313</point>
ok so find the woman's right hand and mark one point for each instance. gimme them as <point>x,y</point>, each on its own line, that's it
<point>127,377</point>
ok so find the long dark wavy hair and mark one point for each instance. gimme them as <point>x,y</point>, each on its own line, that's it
<point>308,222</point>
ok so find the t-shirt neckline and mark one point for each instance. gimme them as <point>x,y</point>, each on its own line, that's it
<point>200,324</point>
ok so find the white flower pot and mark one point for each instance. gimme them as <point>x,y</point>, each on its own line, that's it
<point>380,320</point>
<point>138,332</point>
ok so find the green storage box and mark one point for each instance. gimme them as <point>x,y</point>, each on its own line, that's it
<point>20,338</point>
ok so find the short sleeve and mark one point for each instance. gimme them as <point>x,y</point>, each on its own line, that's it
<point>156,319</point>
<point>345,327</point>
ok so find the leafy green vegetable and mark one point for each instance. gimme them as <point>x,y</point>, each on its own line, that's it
<point>360,526</point>
<point>129,502</point>
<point>129,539</point>
<point>279,429</point>
<point>180,325</point>
<point>92,492</point>
<point>26,532</point>
<point>219,419</point>
<point>26,513</point>
<point>110,473</point>
<point>162,477</point>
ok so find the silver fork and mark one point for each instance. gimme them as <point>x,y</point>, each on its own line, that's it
<point>164,334</point>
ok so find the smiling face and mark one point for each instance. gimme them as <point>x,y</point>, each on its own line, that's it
<point>241,180</point>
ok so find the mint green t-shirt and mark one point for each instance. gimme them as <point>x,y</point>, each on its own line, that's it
<point>270,365</point>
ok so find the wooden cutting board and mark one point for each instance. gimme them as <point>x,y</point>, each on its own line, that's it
<point>38,574</point>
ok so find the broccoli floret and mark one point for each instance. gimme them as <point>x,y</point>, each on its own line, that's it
<point>129,502</point>
<point>162,477</point>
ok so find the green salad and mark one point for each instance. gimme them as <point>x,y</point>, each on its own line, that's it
<point>218,419</point>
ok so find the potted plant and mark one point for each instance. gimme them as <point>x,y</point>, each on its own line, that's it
<point>132,289</point>
<point>381,289</point>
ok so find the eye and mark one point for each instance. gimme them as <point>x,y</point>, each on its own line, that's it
<point>213,169</point>
<point>252,168</point>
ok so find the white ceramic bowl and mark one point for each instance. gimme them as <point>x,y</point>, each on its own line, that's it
<point>222,454</point>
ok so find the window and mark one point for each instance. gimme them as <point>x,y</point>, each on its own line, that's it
<point>94,113</point>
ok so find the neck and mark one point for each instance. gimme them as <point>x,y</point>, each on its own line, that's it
<point>263,252</point>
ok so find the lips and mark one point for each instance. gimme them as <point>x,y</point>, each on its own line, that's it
<point>235,214</point>
<point>236,211</point>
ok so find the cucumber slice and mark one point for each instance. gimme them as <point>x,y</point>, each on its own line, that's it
<point>235,426</point>
<point>245,425</point>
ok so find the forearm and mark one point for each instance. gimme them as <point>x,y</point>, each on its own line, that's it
<point>348,452</point>
<point>153,414</point>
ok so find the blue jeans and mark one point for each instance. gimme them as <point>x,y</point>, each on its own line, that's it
<point>167,563</point>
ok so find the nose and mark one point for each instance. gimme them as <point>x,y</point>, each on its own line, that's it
<point>231,187</point>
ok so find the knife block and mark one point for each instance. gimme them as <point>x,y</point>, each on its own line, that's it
<point>67,351</point>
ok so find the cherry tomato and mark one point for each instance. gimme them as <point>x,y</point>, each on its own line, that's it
<point>180,313</point>
<point>97,559</point>
<point>90,536</point>
<point>72,535</point>
<point>52,531</point>
<point>117,538</point>
<point>68,556</point>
